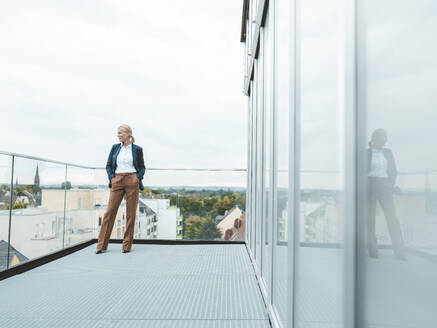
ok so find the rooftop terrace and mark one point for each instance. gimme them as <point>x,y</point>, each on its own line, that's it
<point>152,286</point>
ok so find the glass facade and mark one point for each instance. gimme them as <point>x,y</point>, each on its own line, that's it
<point>341,174</point>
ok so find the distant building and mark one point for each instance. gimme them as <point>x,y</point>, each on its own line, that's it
<point>282,233</point>
<point>238,231</point>
<point>169,220</point>
<point>92,201</point>
<point>321,222</point>
<point>15,257</point>
<point>25,197</point>
<point>219,218</point>
<point>228,221</point>
<point>76,199</point>
<point>148,221</point>
<point>36,182</point>
<point>4,197</point>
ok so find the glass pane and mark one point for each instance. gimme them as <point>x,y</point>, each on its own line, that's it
<point>268,130</point>
<point>253,169</point>
<point>398,94</point>
<point>83,205</point>
<point>38,214</point>
<point>258,78</point>
<point>189,204</point>
<point>319,265</point>
<point>281,247</point>
<point>5,188</point>
<point>249,175</point>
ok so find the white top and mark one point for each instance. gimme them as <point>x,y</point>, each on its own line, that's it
<point>378,165</point>
<point>124,160</point>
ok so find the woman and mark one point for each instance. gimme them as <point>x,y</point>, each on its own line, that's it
<point>382,175</point>
<point>125,168</point>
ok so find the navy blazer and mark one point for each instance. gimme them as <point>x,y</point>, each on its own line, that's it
<point>137,158</point>
<point>392,171</point>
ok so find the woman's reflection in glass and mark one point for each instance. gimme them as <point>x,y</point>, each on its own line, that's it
<point>382,175</point>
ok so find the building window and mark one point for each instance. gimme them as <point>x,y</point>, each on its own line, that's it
<point>100,221</point>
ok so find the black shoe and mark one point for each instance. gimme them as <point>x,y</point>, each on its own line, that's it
<point>99,251</point>
<point>125,251</point>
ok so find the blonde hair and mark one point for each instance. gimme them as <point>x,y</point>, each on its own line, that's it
<point>127,129</point>
<point>376,134</point>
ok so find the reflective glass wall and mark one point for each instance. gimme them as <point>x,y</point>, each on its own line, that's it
<point>342,179</point>
<point>320,135</point>
<point>280,13</point>
<point>397,101</point>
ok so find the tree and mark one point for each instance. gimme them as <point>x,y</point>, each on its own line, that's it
<point>223,205</point>
<point>241,201</point>
<point>17,205</point>
<point>66,185</point>
<point>192,227</point>
<point>146,191</point>
<point>5,187</point>
<point>208,230</point>
<point>209,203</point>
<point>173,200</point>
<point>195,205</point>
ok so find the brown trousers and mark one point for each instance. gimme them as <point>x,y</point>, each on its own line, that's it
<point>380,190</point>
<point>121,184</point>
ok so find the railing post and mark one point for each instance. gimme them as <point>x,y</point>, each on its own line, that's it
<point>10,211</point>
<point>65,207</point>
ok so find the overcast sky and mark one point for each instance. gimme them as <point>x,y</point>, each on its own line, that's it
<point>73,71</point>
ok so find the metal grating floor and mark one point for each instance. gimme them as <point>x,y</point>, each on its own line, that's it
<point>161,286</point>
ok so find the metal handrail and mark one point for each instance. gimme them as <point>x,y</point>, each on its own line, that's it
<point>193,169</point>
<point>102,168</point>
<point>341,172</point>
<point>44,159</point>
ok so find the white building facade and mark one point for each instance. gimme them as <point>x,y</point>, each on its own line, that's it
<point>168,219</point>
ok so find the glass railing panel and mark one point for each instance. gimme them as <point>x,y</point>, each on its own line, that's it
<point>82,206</point>
<point>38,208</point>
<point>5,188</point>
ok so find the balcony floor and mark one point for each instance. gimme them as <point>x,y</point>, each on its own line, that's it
<point>152,286</point>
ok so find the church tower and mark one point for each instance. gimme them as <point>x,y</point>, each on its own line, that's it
<point>36,179</point>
